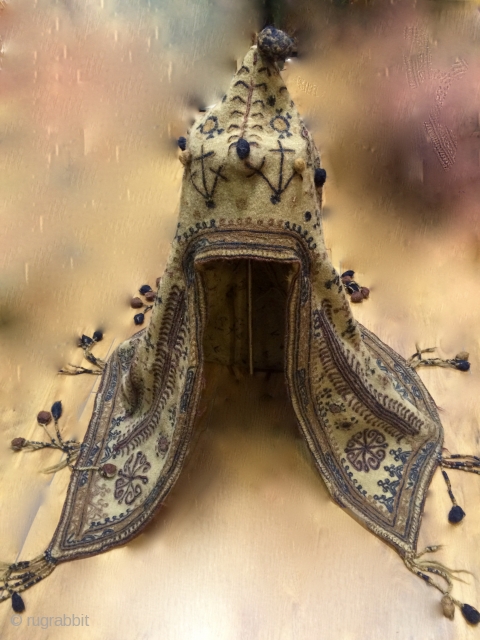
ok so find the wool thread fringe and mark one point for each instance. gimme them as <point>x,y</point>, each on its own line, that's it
<point>459,362</point>
<point>19,576</point>
<point>422,568</point>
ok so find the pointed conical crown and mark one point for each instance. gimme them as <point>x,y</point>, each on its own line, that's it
<point>251,156</point>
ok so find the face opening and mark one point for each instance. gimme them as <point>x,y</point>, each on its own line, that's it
<point>246,302</point>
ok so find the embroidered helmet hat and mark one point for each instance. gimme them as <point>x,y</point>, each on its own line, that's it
<point>249,284</point>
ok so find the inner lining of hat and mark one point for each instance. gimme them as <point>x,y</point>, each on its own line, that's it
<point>226,335</point>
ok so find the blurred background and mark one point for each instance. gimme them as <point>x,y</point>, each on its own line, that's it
<point>94,95</point>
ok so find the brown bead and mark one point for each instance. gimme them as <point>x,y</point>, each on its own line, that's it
<point>463,355</point>
<point>44,417</point>
<point>18,443</point>
<point>448,607</point>
<point>185,157</point>
<point>346,279</point>
<point>150,296</point>
<point>356,296</point>
<point>136,303</point>
<point>299,165</point>
<point>157,281</point>
<point>365,291</point>
<point>108,470</point>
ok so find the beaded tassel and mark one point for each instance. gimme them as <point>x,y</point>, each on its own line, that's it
<point>422,568</point>
<point>19,576</point>
<point>459,362</point>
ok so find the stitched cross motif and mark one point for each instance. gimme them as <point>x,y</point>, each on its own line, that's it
<point>281,187</point>
<point>204,191</point>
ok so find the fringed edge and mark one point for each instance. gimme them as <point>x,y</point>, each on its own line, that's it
<point>87,344</point>
<point>19,576</point>
<point>458,462</point>
<point>459,362</point>
<point>422,568</point>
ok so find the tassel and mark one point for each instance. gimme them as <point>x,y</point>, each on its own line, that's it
<point>422,568</point>
<point>87,344</point>
<point>459,362</point>
<point>17,603</point>
<point>70,447</point>
<point>448,607</point>
<point>357,293</point>
<point>20,576</point>
<point>470,614</point>
<point>456,513</point>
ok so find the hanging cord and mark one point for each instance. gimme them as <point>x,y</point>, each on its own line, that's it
<point>19,576</point>
<point>71,448</point>
<point>87,344</point>
<point>458,462</point>
<point>459,362</point>
<point>422,568</point>
<point>357,292</point>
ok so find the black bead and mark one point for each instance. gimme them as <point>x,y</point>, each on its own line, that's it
<point>182,143</point>
<point>470,614</point>
<point>85,340</point>
<point>139,318</point>
<point>243,148</point>
<point>351,287</point>
<point>462,365</point>
<point>56,410</point>
<point>144,289</point>
<point>98,335</point>
<point>308,216</point>
<point>348,273</point>
<point>456,514</point>
<point>19,606</point>
<point>320,177</point>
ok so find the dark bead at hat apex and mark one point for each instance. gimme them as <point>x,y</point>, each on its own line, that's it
<point>275,44</point>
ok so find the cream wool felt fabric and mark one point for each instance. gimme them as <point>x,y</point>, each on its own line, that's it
<point>250,228</point>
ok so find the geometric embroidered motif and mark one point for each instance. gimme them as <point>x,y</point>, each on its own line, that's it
<point>366,449</point>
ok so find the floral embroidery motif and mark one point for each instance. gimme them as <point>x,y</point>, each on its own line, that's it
<point>366,449</point>
<point>128,487</point>
<point>336,407</point>
<point>281,124</point>
<point>163,445</point>
<point>210,127</point>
